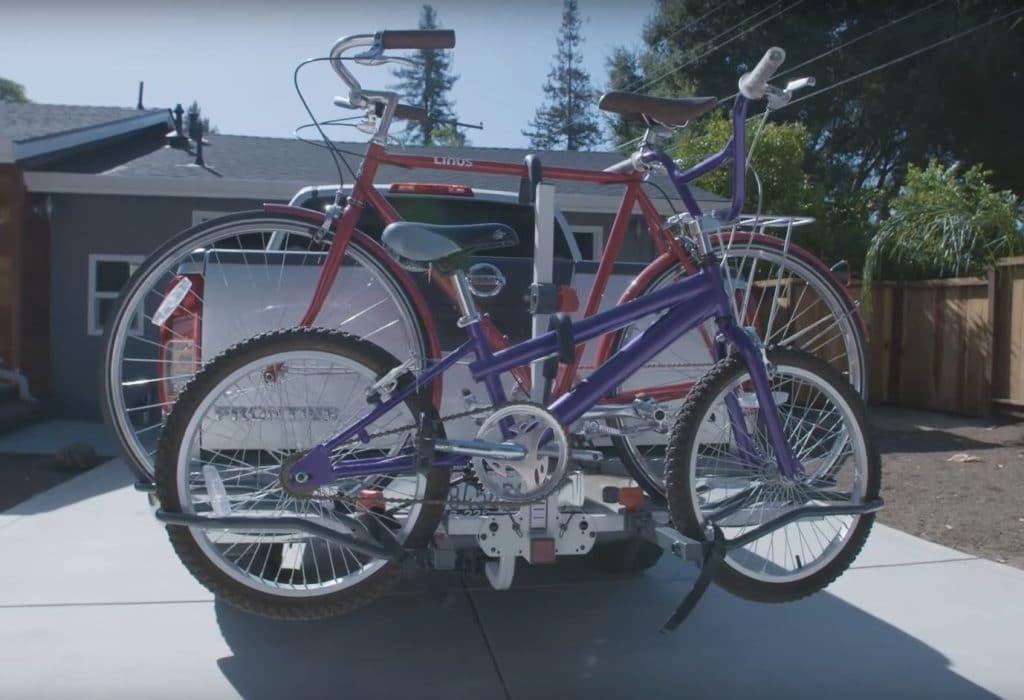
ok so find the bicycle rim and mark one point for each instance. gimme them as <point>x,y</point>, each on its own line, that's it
<point>816,317</point>
<point>827,439</point>
<point>141,379</point>
<point>233,448</point>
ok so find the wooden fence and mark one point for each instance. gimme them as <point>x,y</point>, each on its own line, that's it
<point>949,345</point>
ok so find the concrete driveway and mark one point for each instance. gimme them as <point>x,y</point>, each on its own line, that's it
<point>93,603</point>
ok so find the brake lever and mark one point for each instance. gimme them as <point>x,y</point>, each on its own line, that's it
<point>799,84</point>
<point>378,59</point>
<point>780,98</point>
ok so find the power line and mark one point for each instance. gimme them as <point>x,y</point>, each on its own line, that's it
<point>848,43</point>
<point>904,57</point>
<point>724,43</point>
<point>860,38</point>
<point>637,85</point>
<point>710,42</point>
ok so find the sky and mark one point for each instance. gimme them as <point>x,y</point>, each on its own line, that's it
<point>236,58</point>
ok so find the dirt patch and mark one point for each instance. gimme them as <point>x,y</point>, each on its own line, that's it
<point>957,482</point>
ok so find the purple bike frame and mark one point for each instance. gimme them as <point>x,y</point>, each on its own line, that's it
<point>687,304</point>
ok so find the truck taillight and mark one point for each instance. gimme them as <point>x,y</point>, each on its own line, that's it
<point>180,339</point>
<point>430,188</point>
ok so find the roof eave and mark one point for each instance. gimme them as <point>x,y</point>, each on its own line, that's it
<point>44,145</point>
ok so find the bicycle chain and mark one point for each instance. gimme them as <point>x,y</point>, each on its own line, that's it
<point>456,503</point>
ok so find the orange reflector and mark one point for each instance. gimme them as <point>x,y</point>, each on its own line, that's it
<point>542,551</point>
<point>567,299</point>
<point>369,499</point>
<point>631,497</point>
<point>430,188</point>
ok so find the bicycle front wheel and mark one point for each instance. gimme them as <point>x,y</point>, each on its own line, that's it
<point>255,409</point>
<point>709,472</point>
<point>221,282</point>
<point>786,296</point>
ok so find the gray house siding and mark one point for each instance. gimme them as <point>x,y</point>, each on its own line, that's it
<point>84,225</point>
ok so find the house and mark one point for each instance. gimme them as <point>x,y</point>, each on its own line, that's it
<point>103,221</point>
<point>37,138</point>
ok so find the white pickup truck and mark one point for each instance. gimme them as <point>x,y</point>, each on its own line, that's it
<point>234,308</point>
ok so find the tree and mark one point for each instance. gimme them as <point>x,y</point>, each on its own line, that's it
<point>11,91</point>
<point>205,121</point>
<point>427,85</point>
<point>778,160</point>
<point>955,102</point>
<point>623,74</point>
<point>567,116</point>
<point>943,224</point>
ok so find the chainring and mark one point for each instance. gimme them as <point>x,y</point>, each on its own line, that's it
<point>541,471</point>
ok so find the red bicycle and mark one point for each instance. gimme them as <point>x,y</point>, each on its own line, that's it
<point>301,266</point>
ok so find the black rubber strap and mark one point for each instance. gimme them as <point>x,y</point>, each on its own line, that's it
<point>416,39</point>
<point>714,555</point>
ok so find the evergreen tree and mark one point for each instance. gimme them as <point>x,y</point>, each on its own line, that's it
<point>623,74</point>
<point>427,85</point>
<point>567,116</point>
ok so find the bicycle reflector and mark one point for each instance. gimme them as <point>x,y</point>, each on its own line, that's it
<point>179,354</point>
<point>430,188</point>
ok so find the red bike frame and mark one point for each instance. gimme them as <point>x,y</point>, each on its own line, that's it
<point>364,193</point>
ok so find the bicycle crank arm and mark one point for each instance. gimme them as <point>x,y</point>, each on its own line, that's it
<point>482,448</point>
<point>284,524</point>
<point>594,456</point>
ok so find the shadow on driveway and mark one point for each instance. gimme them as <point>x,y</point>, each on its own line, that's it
<point>597,638</point>
<point>109,476</point>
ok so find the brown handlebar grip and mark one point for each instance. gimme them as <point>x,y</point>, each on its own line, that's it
<point>416,39</point>
<point>413,114</point>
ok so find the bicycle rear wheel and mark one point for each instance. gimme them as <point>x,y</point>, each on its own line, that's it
<point>824,422</point>
<point>785,295</point>
<point>236,276</point>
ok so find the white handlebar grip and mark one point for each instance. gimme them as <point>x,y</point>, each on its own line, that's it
<point>752,84</point>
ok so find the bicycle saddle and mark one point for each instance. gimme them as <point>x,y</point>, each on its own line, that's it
<point>664,110</point>
<point>429,243</point>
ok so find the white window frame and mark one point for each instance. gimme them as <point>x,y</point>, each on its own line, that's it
<point>598,233</point>
<point>94,296</point>
<point>202,215</point>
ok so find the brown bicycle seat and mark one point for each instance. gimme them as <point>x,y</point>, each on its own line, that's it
<point>664,110</point>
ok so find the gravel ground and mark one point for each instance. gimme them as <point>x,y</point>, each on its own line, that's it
<point>975,506</point>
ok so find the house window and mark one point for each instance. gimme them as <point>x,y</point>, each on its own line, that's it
<point>590,240</point>
<point>107,275</point>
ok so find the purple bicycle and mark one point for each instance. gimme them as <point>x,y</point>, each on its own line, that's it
<point>771,470</point>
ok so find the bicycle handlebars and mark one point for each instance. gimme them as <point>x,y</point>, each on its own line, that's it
<point>416,39</point>
<point>753,85</point>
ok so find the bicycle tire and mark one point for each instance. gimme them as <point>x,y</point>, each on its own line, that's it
<point>136,447</point>
<point>645,471</point>
<point>689,464</point>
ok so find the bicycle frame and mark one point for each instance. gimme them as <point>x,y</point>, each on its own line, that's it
<point>687,304</point>
<point>364,194</point>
